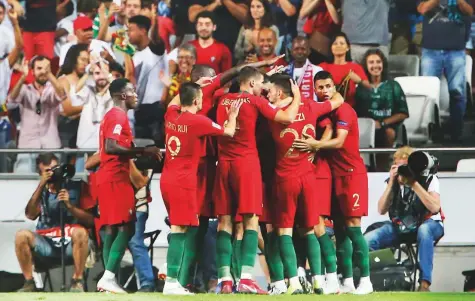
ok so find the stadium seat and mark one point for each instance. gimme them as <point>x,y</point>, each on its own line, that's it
<point>367,129</point>
<point>403,65</point>
<point>466,165</point>
<point>422,94</point>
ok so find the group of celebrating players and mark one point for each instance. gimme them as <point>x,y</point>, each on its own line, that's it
<point>262,158</point>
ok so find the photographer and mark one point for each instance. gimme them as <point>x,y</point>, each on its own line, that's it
<point>413,203</point>
<point>45,243</point>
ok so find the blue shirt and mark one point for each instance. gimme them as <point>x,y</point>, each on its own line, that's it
<point>50,209</point>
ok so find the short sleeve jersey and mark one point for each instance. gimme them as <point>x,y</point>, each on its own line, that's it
<point>244,141</point>
<point>217,56</point>
<point>113,168</point>
<point>291,162</point>
<point>346,160</point>
<point>322,169</point>
<point>184,132</point>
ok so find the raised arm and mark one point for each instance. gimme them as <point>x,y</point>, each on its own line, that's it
<point>332,11</point>
<point>238,10</point>
<point>426,6</point>
<point>465,7</point>
<point>307,7</point>
<point>233,72</point>
<point>195,9</point>
<point>14,54</point>
<point>32,209</point>
<point>386,198</point>
<point>13,97</point>
<point>289,9</point>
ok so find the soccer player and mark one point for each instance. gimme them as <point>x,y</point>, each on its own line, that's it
<point>295,181</point>
<point>238,185</point>
<point>116,194</point>
<point>184,129</point>
<point>350,186</point>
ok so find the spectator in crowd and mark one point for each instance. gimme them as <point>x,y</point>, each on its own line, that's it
<point>414,203</point>
<point>40,102</point>
<point>259,16</point>
<point>346,73</point>
<point>230,15</point>
<point>322,22</point>
<point>95,101</point>
<point>448,19</point>
<point>105,15</point>
<point>366,25</point>
<point>149,60</point>
<point>39,28</point>
<point>64,28</point>
<point>185,30</point>
<point>8,41</point>
<point>385,103</point>
<point>286,14</point>
<point>44,243</point>
<point>267,40</point>
<point>6,70</point>
<point>72,70</point>
<point>405,25</point>
<point>87,8</point>
<point>301,69</point>
<point>83,32</point>
<point>166,25</point>
<point>208,50</point>
<point>186,61</point>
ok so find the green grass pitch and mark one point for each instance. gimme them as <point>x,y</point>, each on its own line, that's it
<point>204,297</point>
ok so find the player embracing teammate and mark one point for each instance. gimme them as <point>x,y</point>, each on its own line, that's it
<point>349,200</point>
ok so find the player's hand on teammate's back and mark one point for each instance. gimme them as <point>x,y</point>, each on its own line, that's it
<point>234,110</point>
<point>308,143</point>
<point>153,151</point>
<point>295,88</point>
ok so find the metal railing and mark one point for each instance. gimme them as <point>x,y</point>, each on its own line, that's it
<point>362,150</point>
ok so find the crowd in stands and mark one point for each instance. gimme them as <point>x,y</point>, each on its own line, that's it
<point>59,56</point>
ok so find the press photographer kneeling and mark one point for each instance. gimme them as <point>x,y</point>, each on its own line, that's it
<point>412,199</point>
<point>45,243</point>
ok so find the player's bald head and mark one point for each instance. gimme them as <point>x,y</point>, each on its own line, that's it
<point>247,74</point>
<point>200,71</point>
<point>189,92</point>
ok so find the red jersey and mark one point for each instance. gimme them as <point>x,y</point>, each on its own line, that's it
<point>244,141</point>
<point>183,137</point>
<point>322,169</point>
<point>217,56</point>
<point>208,146</point>
<point>265,149</point>
<point>346,160</point>
<point>339,72</point>
<point>280,62</point>
<point>114,168</point>
<point>292,162</point>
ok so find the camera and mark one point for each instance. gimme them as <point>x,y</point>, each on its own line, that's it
<point>419,164</point>
<point>62,172</point>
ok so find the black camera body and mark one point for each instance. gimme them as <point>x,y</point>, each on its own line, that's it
<point>419,164</point>
<point>62,172</point>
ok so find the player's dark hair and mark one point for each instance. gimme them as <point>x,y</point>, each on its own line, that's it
<point>282,81</point>
<point>3,5</point>
<point>248,73</point>
<point>46,159</point>
<point>146,4</point>
<point>188,93</point>
<point>322,75</point>
<point>199,71</point>
<point>142,22</point>
<point>206,15</point>
<point>118,85</point>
